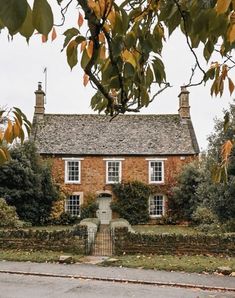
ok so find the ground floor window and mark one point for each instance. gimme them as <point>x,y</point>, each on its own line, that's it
<point>72,205</point>
<point>156,206</point>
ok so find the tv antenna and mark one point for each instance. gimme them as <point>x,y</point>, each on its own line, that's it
<point>45,82</point>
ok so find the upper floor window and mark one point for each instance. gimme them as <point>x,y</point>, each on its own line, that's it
<point>156,171</point>
<point>113,171</point>
<point>72,171</point>
<point>156,206</point>
<point>73,204</point>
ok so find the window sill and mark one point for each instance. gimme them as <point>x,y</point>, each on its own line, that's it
<point>156,216</point>
<point>156,182</point>
<point>72,182</point>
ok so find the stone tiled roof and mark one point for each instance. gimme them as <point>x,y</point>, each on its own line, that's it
<point>124,135</point>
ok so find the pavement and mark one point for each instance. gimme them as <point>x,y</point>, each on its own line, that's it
<point>121,275</point>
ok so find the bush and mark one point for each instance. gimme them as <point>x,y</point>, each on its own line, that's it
<point>120,223</point>
<point>89,208</point>
<point>203,215</point>
<point>8,215</point>
<point>64,219</point>
<point>184,200</point>
<point>132,201</point>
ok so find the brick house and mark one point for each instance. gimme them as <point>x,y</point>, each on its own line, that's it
<point>89,152</point>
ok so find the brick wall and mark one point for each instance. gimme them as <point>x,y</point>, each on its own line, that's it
<point>93,176</point>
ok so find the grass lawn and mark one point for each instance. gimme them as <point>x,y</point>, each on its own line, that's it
<point>173,263</point>
<point>34,256</point>
<point>159,229</point>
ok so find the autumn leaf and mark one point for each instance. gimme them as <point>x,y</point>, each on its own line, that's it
<point>90,48</point>
<point>85,79</point>
<point>83,45</point>
<point>230,86</point>
<point>44,38</point>
<point>8,132</point>
<point>102,53</point>
<point>80,20</point>
<point>53,34</point>
<point>226,150</point>
<point>129,57</point>
<point>222,6</point>
<point>231,33</point>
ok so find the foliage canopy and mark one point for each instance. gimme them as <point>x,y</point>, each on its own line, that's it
<point>26,183</point>
<point>120,43</point>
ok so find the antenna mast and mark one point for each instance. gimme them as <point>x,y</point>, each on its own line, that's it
<point>45,83</point>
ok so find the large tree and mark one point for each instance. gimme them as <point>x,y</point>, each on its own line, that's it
<point>121,42</point>
<point>26,183</point>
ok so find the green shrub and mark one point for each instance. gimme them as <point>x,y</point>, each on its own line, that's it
<point>8,215</point>
<point>184,200</point>
<point>132,201</point>
<point>203,215</point>
<point>89,208</point>
<point>229,226</point>
<point>64,219</point>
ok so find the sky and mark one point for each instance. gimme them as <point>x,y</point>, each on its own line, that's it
<point>21,68</point>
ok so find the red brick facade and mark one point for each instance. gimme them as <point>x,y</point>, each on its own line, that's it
<point>93,173</point>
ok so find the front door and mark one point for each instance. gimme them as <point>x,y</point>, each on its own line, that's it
<point>104,213</point>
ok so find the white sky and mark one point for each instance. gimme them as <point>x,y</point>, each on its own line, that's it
<point>21,67</point>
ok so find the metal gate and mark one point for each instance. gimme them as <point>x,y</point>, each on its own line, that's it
<point>100,243</point>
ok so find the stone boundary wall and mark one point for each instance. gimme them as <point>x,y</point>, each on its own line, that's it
<point>74,241</point>
<point>172,244</point>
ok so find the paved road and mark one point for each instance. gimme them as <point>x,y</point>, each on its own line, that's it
<point>21,286</point>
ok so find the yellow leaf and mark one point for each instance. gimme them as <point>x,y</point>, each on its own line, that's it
<point>231,33</point>
<point>83,45</point>
<point>90,48</point>
<point>102,4</point>
<point>226,150</point>
<point>230,86</point>
<point>129,57</point>
<point>9,132</point>
<point>1,135</point>
<point>95,7</point>
<point>80,20</point>
<point>101,37</point>
<point>16,130</point>
<point>3,156</point>
<point>102,53</point>
<point>222,6</point>
<point>53,34</point>
<point>85,79</point>
<point>112,17</point>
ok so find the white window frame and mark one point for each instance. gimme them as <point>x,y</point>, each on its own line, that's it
<point>120,170</point>
<point>66,176</point>
<point>163,170</point>
<point>163,206</point>
<point>80,194</point>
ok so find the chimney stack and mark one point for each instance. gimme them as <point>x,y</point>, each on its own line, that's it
<point>184,108</point>
<point>39,107</point>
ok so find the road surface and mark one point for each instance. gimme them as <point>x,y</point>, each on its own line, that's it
<point>27,286</point>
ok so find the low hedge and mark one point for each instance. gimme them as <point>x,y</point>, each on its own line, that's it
<point>73,241</point>
<point>173,244</point>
